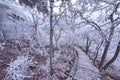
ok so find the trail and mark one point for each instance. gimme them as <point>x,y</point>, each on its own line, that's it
<point>85,70</point>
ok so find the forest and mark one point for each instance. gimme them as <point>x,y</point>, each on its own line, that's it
<point>59,39</point>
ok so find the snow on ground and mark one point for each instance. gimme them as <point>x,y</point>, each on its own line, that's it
<point>85,70</point>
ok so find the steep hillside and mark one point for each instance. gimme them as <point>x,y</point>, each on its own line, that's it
<point>13,22</point>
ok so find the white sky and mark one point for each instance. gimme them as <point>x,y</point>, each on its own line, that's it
<point>56,10</point>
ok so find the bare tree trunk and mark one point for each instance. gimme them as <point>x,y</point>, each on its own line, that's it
<point>107,46</point>
<point>104,54</point>
<point>88,44</point>
<point>110,35</point>
<point>108,41</point>
<point>97,50</point>
<point>51,34</point>
<point>114,57</point>
<point>35,25</point>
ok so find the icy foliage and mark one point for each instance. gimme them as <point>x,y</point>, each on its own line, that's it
<point>19,68</point>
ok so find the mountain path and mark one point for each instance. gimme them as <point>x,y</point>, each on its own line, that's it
<point>85,70</point>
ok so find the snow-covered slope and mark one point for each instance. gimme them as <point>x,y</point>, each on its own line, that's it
<point>13,21</point>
